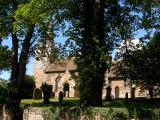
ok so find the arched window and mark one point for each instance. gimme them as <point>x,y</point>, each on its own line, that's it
<point>116,92</point>
<point>56,83</point>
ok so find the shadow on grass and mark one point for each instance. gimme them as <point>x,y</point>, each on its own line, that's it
<point>136,103</point>
<point>139,108</point>
<point>67,102</point>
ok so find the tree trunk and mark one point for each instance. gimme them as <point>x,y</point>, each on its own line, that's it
<point>92,68</point>
<point>23,61</point>
<point>151,92</point>
<point>18,67</point>
<point>101,37</point>
<point>13,94</point>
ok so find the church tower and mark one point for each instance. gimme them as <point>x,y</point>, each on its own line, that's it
<point>43,51</point>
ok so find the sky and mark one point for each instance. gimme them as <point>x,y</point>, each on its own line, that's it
<point>61,39</point>
<point>6,75</point>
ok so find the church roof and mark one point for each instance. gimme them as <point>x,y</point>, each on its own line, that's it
<point>69,64</point>
<point>112,71</point>
<point>62,66</point>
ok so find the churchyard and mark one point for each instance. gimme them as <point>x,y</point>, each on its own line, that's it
<point>114,46</point>
<point>138,109</point>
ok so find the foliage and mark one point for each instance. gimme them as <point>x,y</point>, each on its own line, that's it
<point>37,94</point>
<point>3,91</point>
<point>28,87</point>
<point>99,113</point>
<point>50,116</point>
<point>47,91</point>
<point>97,27</point>
<point>22,20</point>
<point>142,65</point>
<point>5,57</point>
<point>139,108</point>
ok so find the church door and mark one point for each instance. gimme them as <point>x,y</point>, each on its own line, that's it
<point>66,90</point>
<point>117,92</point>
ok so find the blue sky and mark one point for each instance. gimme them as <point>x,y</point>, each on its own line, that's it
<point>59,39</point>
<point>6,75</point>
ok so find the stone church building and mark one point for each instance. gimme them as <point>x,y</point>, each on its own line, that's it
<point>60,77</point>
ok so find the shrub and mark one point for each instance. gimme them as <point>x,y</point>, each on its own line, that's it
<point>3,94</point>
<point>47,91</point>
<point>28,87</point>
<point>37,94</point>
<point>3,91</point>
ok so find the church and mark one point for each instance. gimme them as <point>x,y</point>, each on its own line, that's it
<point>59,75</point>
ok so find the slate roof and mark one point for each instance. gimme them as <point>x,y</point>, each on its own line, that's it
<point>112,72</point>
<point>69,64</point>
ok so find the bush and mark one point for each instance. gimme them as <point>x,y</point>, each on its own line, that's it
<point>47,91</point>
<point>77,113</point>
<point>3,94</point>
<point>28,87</point>
<point>37,94</point>
<point>3,91</point>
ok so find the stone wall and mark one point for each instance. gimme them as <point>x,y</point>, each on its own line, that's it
<point>38,72</point>
<point>123,89</point>
<point>33,114</point>
<point>64,77</point>
<point>50,78</point>
<point>120,85</point>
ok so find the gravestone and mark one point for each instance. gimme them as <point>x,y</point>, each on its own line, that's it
<point>108,93</point>
<point>60,97</point>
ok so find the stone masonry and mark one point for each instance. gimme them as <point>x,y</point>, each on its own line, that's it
<point>59,76</point>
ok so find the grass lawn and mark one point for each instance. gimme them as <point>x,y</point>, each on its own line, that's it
<point>119,103</point>
<point>53,102</point>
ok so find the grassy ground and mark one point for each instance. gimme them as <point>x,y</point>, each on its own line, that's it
<point>119,103</point>
<point>53,102</point>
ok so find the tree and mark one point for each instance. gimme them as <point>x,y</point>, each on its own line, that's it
<point>142,65</point>
<point>28,87</point>
<point>22,21</point>
<point>47,91</point>
<point>97,27</point>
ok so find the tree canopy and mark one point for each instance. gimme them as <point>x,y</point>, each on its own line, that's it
<point>24,21</point>
<point>141,66</point>
<point>97,27</point>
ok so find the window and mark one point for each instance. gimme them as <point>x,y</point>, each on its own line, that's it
<point>56,83</point>
<point>116,92</point>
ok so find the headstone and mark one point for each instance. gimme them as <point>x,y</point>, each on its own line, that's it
<point>60,97</point>
<point>126,97</point>
<point>108,93</point>
<point>133,93</point>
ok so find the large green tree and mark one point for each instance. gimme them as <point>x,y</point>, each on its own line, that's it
<point>141,65</point>
<point>24,22</point>
<point>97,27</point>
